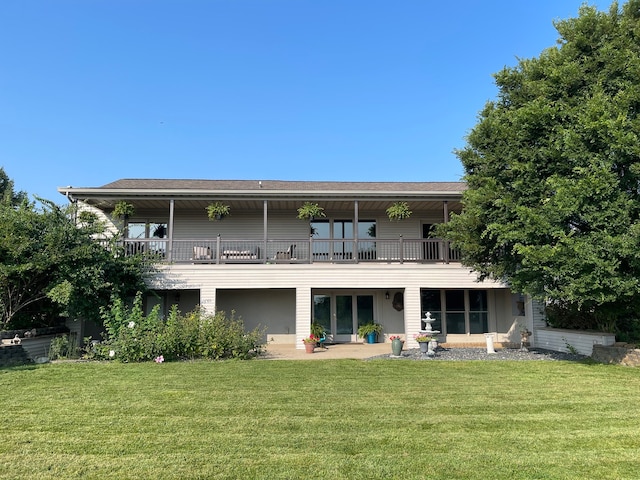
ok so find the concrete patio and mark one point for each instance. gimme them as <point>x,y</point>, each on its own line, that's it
<point>341,350</point>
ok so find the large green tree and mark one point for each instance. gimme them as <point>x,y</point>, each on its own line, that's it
<point>7,191</point>
<point>553,172</point>
<point>52,266</point>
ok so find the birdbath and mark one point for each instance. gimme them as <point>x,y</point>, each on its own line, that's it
<point>430,332</point>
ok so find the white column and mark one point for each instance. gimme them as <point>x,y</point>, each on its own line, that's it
<point>303,315</point>
<point>412,315</point>
<point>208,300</point>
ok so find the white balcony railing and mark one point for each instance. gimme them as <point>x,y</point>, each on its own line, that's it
<point>221,250</point>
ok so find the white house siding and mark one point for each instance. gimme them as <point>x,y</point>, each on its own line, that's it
<point>539,320</point>
<point>273,309</point>
<point>407,278</point>
<point>409,228</point>
<point>386,229</point>
<point>189,225</point>
<point>287,225</point>
<point>507,316</point>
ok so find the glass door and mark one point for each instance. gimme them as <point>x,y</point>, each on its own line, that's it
<point>341,314</point>
<point>322,312</point>
<point>344,318</point>
<point>431,249</point>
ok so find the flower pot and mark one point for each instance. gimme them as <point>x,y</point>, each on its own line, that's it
<point>309,347</point>
<point>396,347</point>
<point>424,347</point>
<point>371,337</point>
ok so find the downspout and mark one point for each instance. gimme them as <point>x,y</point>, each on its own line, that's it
<point>72,201</point>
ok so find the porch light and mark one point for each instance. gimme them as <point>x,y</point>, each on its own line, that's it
<point>386,295</point>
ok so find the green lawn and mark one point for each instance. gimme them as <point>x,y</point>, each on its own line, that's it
<point>322,419</point>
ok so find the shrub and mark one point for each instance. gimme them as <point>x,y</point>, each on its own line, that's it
<point>65,346</point>
<point>222,337</point>
<point>133,337</point>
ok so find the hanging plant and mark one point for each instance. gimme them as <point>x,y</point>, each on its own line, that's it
<point>399,211</point>
<point>123,209</point>
<point>309,211</point>
<point>218,210</point>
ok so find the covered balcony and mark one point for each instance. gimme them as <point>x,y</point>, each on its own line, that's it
<point>221,250</point>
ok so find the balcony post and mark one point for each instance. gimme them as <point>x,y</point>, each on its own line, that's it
<point>264,248</point>
<point>401,249</point>
<point>311,248</point>
<point>170,240</point>
<point>218,249</point>
<point>355,230</point>
<point>445,244</point>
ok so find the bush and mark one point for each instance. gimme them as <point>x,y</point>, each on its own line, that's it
<point>133,337</point>
<point>64,346</point>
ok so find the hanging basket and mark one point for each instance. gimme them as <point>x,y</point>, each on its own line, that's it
<point>399,211</point>
<point>218,210</point>
<point>310,211</point>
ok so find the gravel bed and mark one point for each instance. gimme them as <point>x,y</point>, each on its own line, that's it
<point>458,354</point>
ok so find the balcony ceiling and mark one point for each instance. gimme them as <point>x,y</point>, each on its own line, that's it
<point>283,205</point>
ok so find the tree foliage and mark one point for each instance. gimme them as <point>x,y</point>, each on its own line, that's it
<point>553,171</point>
<point>7,193</point>
<point>52,266</point>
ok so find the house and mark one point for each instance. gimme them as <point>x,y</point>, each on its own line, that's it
<point>275,270</point>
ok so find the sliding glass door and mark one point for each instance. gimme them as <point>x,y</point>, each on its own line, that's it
<point>340,314</point>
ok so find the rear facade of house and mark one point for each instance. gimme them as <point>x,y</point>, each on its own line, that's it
<point>279,272</point>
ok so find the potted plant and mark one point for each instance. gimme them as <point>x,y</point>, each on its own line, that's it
<point>123,209</point>
<point>396,345</point>
<point>369,331</point>
<point>399,211</point>
<point>310,211</point>
<point>423,340</point>
<point>218,210</point>
<point>310,343</point>
<point>317,329</point>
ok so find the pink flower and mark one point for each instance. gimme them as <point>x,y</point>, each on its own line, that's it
<point>159,359</point>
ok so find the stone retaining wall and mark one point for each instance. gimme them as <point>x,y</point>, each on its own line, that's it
<point>629,357</point>
<point>11,355</point>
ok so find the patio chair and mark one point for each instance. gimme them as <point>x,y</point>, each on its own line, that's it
<point>288,255</point>
<point>201,253</point>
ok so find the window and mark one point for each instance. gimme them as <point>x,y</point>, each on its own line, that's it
<point>149,234</point>
<point>478,312</point>
<point>366,247</point>
<point>431,302</point>
<point>456,311</point>
<point>334,239</point>
<point>146,230</point>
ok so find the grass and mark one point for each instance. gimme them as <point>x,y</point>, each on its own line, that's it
<point>338,419</point>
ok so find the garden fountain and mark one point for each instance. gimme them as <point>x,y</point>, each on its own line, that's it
<point>430,332</point>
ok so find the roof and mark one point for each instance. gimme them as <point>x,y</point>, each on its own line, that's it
<point>189,187</point>
<point>281,185</point>
<point>153,193</point>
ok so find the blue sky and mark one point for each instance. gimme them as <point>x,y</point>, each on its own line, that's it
<point>348,90</point>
